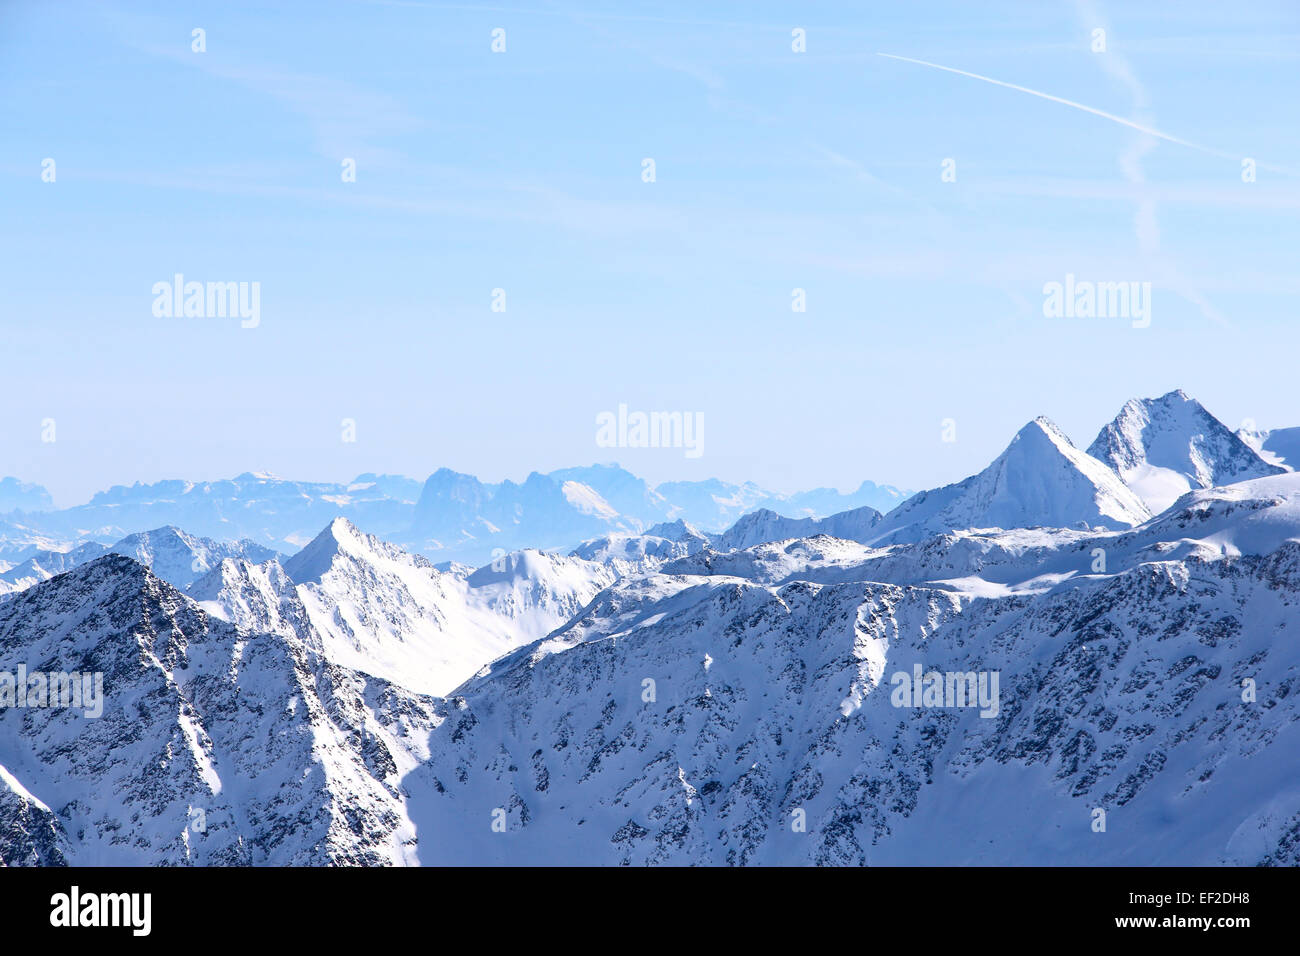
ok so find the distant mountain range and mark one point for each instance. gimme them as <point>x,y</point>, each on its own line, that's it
<point>172,554</point>
<point>16,495</point>
<point>672,695</point>
<point>451,516</point>
<point>1140,463</point>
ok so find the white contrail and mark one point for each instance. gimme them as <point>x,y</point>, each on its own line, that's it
<point>1078,106</point>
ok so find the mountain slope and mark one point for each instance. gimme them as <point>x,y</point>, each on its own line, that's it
<point>469,520</point>
<point>180,558</point>
<point>176,556</point>
<point>629,554</point>
<point>1041,479</point>
<point>627,494</point>
<point>651,700</point>
<point>215,745</point>
<point>684,718</point>
<point>1163,447</point>
<point>763,525</point>
<point>30,833</point>
<point>44,564</point>
<point>685,721</point>
<point>1278,446</point>
<point>18,495</point>
<point>381,610</point>
<point>275,512</point>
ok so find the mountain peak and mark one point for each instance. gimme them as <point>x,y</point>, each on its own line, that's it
<point>673,530</point>
<point>341,527</point>
<point>181,558</point>
<point>18,495</point>
<point>1044,427</point>
<point>763,525</point>
<point>338,538</point>
<point>1040,480</point>
<point>524,564</point>
<point>1163,447</point>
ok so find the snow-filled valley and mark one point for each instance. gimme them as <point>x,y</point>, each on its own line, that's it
<point>662,690</point>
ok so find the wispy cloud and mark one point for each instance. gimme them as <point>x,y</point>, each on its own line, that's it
<point>1116,65</point>
<point>1146,224</point>
<point>344,119</point>
<point>1150,131</point>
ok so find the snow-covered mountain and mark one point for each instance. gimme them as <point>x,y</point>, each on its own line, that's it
<point>821,502</point>
<point>21,539</point>
<point>1277,446</point>
<point>684,719</point>
<point>1254,517</point>
<point>628,554</point>
<point>174,555</point>
<point>274,512</point>
<point>31,834</point>
<point>668,696</point>
<point>380,610</point>
<point>1040,480</point>
<point>18,495</point>
<point>1163,447</point>
<point>460,517</point>
<point>180,558</point>
<point>714,505</point>
<point>244,695</point>
<point>470,520</point>
<point>215,745</point>
<point>623,491</point>
<point>43,563</point>
<point>764,525</point>
<point>449,517</point>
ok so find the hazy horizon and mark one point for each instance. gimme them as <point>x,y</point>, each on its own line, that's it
<point>921,209</point>
<point>518,477</point>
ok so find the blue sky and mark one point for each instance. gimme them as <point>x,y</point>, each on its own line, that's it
<point>522,170</point>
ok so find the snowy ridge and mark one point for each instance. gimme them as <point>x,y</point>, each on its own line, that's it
<point>664,696</point>
<point>1278,446</point>
<point>288,757</point>
<point>1163,447</point>
<point>174,555</point>
<point>1040,480</point>
<point>1121,693</point>
<point>763,525</point>
<point>1249,518</point>
<point>379,610</point>
<point>450,516</point>
<point>44,564</point>
<point>180,558</point>
<point>631,554</point>
<point>32,834</point>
